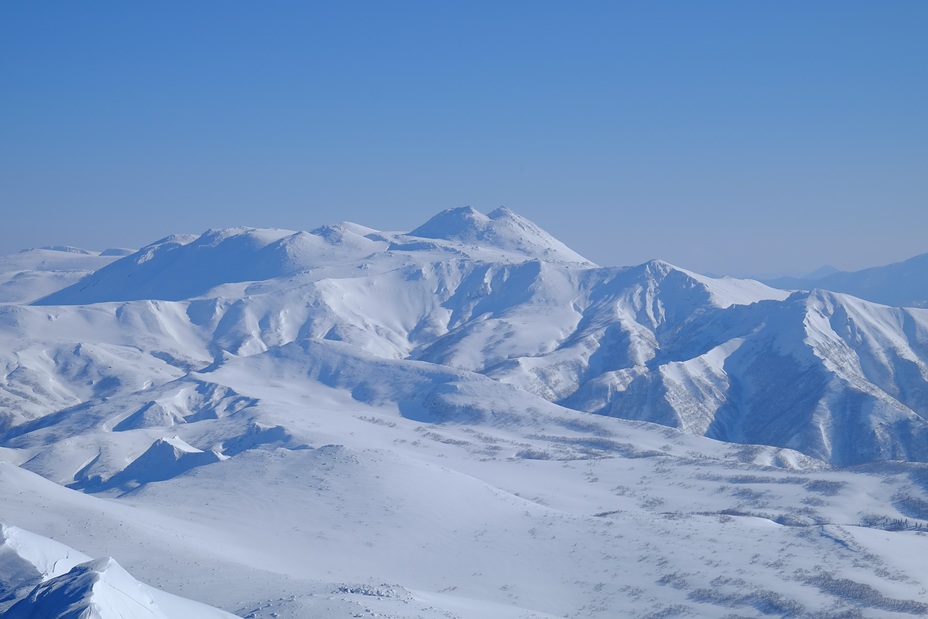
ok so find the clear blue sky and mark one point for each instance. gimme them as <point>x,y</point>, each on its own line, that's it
<point>723,136</point>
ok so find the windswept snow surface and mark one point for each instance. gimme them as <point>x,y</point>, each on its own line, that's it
<point>467,420</point>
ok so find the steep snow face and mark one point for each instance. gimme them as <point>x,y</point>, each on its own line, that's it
<point>626,322</point>
<point>98,589</point>
<point>27,559</point>
<point>832,376</point>
<point>44,578</point>
<point>166,458</point>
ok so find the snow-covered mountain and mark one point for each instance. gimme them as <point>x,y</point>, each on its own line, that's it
<point>468,419</point>
<point>827,374</point>
<point>34,273</point>
<point>901,284</point>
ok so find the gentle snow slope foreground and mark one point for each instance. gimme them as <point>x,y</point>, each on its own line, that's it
<point>350,422</point>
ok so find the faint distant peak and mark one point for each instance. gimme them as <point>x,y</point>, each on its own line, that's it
<point>66,249</point>
<point>820,272</point>
<point>117,251</point>
<point>900,284</point>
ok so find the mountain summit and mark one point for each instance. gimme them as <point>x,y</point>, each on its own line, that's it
<point>186,266</point>
<point>501,228</point>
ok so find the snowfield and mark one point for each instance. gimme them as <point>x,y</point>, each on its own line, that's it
<point>466,420</point>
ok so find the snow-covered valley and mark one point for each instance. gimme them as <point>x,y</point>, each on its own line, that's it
<point>466,420</point>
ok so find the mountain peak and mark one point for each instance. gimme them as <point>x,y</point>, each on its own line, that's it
<point>501,229</point>
<point>661,268</point>
<point>460,224</point>
<point>501,212</point>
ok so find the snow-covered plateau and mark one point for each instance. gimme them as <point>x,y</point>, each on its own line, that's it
<point>465,420</point>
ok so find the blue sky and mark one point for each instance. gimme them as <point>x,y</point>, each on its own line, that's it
<point>728,137</point>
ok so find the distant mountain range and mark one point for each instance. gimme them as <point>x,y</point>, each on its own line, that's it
<point>901,284</point>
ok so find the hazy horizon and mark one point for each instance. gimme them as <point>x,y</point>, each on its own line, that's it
<point>725,138</point>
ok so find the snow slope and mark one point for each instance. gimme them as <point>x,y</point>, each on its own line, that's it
<point>494,294</point>
<point>64,583</point>
<point>465,420</point>
<point>35,273</point>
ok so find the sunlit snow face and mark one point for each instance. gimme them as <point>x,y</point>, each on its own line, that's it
<point>463,419</point>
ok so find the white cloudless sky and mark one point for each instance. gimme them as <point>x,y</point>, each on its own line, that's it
<point>725,137</point>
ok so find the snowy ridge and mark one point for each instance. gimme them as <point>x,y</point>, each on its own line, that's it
<point>465,419</point>
<point>46,558</point>
<point>181,267</point>
<point>65,583</point>
<point>653,342</point>
<point>501,229</point>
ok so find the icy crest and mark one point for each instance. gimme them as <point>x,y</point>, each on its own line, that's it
<point>67,584</point>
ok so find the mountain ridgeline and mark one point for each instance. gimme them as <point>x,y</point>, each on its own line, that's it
<point>469,420</point>
<point>829,375</point>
